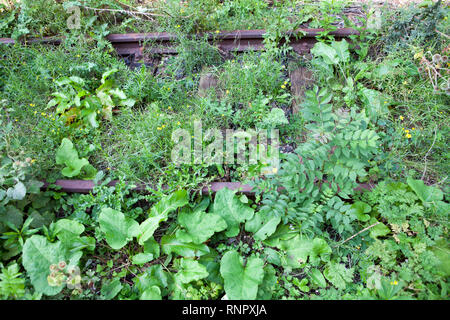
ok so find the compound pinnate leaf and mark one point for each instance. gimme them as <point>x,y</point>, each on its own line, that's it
<point>118,229</point>
<point>232,210</point>
<point>241,282</point>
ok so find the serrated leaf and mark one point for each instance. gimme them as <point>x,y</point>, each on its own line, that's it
<point>338,275</point>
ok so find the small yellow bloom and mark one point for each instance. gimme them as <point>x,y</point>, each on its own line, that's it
<point>217,31</point>
<point>401,118</point>
<point>178,123</point>
<point>33,160</point>
<point>108,168</point>
<point>223,115</point>
<point>178,26</point>
<point>17,120</point>
<point>227,92</point>
<point>283,86</point>
<point>395,283</point>
<point>163,126</point>
<point>42,114</point>
<point>170,108</point>
<point>159,128</point>
<point>405,82</point>
<point>408,136</point>
<point>78,55</point>
<point>413,128</point>
<point>407,131</point>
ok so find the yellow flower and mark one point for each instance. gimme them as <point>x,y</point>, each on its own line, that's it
<point>178,26</point>
<point>178,123</point>
<point>108,168</point>
<point>163,126</point>
<point>33,160</point>
<point>408,136</point>
<point>159,128</point>
<point>223,115</point>
<point>283,86</point>
<point>17,120</point>
<point>413,128</point>
<point>78,55</point>
<point>227,92</point>
<point>42,114</point>
<point>407,131</point>
<point>401,118</point>
<point>395,283</point>
<point>275,170</point>
<point>405,82</point>
<point>217,31</point>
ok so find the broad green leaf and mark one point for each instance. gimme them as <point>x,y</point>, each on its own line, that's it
<point>170,244</point>
<point>118,229</point>
<point>317,277</point>
<point>325,51</point>
<point>13,216</point>
<point>152,293</point>
<point>297,250</point>
<point>38,255</point>
<point>199,226</point>
<point>67,230</point>
<point>320,249</point>
<point>267,287</point>
<point>191,270</point>
<point>425,193</point>
<point>262,226</point>
<point>232,210</point>
<point>380,230</point>
<point>160,212</point>
<point>360,210</point>
<point>442,251</point>
<point>341,48</point>
<point>68,156</point>
<point>142,258</point>
<point>151,246</point>
<point>18,192</point>
<point>241,281</point>
<point>111,289</point>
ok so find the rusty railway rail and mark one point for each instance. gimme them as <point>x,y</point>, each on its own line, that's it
<point>86,186</point>
<point>140,44</point>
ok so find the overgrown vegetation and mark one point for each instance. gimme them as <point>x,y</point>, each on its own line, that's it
<point>357,208</point>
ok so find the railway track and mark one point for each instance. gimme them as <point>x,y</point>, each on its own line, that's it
<point>136,46</point>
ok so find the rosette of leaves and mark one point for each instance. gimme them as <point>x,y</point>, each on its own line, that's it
<point>78,106</point>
